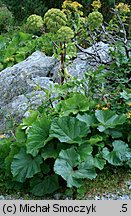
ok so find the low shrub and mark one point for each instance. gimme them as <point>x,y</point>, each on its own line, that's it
<point>20,45</point>
<point>6,19</point>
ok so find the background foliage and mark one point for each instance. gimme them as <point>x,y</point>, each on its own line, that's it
<point>22,9</point>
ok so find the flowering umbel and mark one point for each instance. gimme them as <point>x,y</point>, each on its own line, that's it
<point>65,34</point>
<point>95,20</point>
<point>34,22</point>
<point>69,7</point>
<point>96,4</point>
<point>123,8</point>
<point>54,19</point>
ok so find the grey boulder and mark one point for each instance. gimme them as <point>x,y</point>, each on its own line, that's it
<point>19,84</point>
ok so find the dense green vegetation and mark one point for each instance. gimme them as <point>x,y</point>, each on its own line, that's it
<point>89,129</point>
<point>25,8</point>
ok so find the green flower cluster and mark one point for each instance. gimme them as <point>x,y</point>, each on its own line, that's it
<point>54,19</point>
<point>65,34</point>
<point>34,23</point>
<point>95,19</point>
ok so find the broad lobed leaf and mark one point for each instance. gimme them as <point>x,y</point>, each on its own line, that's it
<point>68,129</point>
<point>24,166</point>
<point>37,135</point>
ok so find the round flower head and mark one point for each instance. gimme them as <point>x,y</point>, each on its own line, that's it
<point>34,23</point>
<point>65,34</point>
<point>54,19</point>
<point>95,19</point>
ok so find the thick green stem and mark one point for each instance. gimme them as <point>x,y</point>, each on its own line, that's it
<point>63,58</point>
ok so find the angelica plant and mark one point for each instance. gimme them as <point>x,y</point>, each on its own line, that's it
<point>55,21</point>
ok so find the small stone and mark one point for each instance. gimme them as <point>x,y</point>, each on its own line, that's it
<point>2,197</point>
<point>57,196</point>
<point>97,198</point>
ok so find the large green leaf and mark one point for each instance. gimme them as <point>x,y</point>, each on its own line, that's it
<point>20,134</point>
<point>47,186</point>
<point>5,147</point>
<point>87,168</point>
<point>88,119</point>
<point>108,119</point>
<point>14,149</point>
<point>52,149</point>
<point>37,135</point>
<point>84,150</point>
<point>69,167</point>
<point>99,162</point>
<point>77,103</point>
<point>114,133</point>
<point>24,166</point>
<point>111,157</point>
<point>4,150</point>
<point>68,129</point>
<point>120,153</point>
<point>68,159</point>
